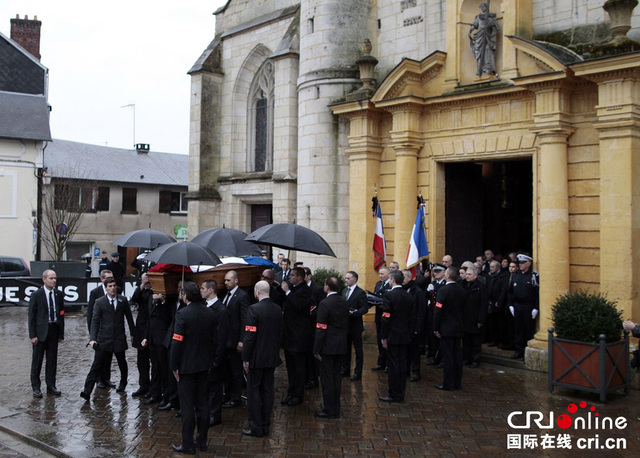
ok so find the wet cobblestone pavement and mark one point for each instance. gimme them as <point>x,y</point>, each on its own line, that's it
<point>430,422</point>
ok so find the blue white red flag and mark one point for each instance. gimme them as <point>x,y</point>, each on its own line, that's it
<point>418,248</point>
<point>379,242</point>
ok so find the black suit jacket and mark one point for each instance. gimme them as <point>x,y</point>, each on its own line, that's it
<point>193,341</point>
<point>142,297</point>
<point>332,327</point>
<point>379,290</point>
<point>221,334</point>
<point>395,324</point>
<point>94,295</point>
<point>107,324</point>
<point>358,307</point>
<point>476,306</point>
<point>447,314</point>
<point>158,322</point>
<point>297,319</point>
<point>237,307</point>
<point>418,308</point>
<point>175,304</point>
<point>263,336</point>
<point>280,276</point>
<point>39,314</point>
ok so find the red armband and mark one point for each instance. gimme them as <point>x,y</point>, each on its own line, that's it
<point>178,337</point>
<point>250,328</point>
<point>439,305</point>
<point>386,315</point>
<point>61,312</point>
<point>321,326</point>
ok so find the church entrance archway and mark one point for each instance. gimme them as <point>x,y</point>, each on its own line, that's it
<point>488,205</point>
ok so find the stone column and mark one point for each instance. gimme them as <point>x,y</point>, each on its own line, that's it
<point>407,142</point>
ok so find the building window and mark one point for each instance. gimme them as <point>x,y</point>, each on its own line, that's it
<point>102,203</point>
<point>81,198</point>
<point>129,200</point>
<point>172,202</point>
<point>260,151</point>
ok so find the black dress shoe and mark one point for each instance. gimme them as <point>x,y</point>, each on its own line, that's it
<point>53,390</point>
<point>294,402</point>
<point>214,422</point>
<point>517,355</point>
<point>441,387</point>
<point>250,432</point>
<point>203,448</point>
<point>414,378</point>
<point>181,449</point>
<point>101,385</point>
<point>388,399</point>
<point>355,377</point>
<point>153,400</point>
<point>121,389</point>
<point>325,415</point>
<point>231,404</point>
<point>179,414</point>
<point>377,367</point>
<point>474,365</point>
<point>166,406</point>
<point>84,395</point>
<point>285,400</point>
<point>345,374</point>
<point>139,392</point>
<point>311,384</point>
<point>37,393</point>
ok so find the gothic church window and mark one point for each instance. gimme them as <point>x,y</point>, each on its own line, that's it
<point>260,151</point>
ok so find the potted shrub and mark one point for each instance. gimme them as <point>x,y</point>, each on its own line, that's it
<point>587,352</point>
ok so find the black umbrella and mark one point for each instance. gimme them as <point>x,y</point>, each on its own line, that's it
<point>184,254</point>
<point>291,237</point>
<point>226,242</point>
<point>143,238</point>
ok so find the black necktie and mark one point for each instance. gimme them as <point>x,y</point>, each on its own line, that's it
<point>52,310</point>
<point>112,305</point>
<point>226,299</point>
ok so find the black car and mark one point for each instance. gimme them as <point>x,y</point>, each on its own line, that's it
<point>13,267</point>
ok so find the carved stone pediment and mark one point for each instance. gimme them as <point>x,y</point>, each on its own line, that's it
<point>535,57</point>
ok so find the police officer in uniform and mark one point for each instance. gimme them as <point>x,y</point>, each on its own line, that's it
<point>525,293</point>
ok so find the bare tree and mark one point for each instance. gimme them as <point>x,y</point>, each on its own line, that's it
<point>63,207</point>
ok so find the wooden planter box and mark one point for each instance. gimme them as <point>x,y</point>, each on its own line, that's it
<point>167,282</point>
<point>596,368</point>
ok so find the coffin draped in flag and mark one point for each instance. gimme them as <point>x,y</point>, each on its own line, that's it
<point>418,248</point>
<point>379,242</point>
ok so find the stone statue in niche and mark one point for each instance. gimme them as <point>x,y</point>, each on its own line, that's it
<point>482,34</point>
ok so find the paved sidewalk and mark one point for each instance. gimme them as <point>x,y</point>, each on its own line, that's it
<point>431,422</point>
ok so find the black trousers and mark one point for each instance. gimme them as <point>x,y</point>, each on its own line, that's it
<point>354,339</point>
<point>216,388</point>
<point>415,351</point>
<point>331,379</point>
<point>296,373</point>
<point>312,368</point>
<point>233,375</point>
<point>98,363</point>
<point>524,326</point>
<point>104,374</point>
<point>497,326</point>
<point>143,363</point>
<point>159,383</point>
<point>193,390</point>
<point>260,393</point>
<point>382,353</point>
<point>171,393</point>
<point>48,349</point>
<point>451,349</point>
<point>472,347</point>
<point>398,365</point>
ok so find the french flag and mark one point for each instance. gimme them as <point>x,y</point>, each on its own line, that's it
<point>418,248</point>
<point>379,242</point>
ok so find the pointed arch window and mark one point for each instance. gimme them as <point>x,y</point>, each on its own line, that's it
<point>260,151</point>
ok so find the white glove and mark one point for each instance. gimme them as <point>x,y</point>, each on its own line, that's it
<point>512,310</point>
<point>534,313</point>
<point>430,287</point>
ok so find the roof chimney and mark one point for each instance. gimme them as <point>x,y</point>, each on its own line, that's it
<point>26,32</point>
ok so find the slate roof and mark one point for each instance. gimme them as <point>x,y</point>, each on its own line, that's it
<point>19,70</point>
<point>24,116</point>
<point>67,159</point>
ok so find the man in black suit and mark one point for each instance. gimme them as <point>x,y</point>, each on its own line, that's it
<point>192,349</point>
<point>381,287</point>
<point>298,341</point>
<point>108,336</point>
<point>395,328</point>
<point>330,346</point>
<point>104,376</point>
<point>437,272</point>
<point>418,315</point>
<point>118,269</point>
<point>358,307</point>
<point>171,399</point>
<point>449,328</point>
<point>285,272</point>
<point>156,331</point>
<point>474,317</point>
<point>46,330</point>
<point>275,292</point>
<point>260,357</point>
<point>142,296</point>
<point>237,303</point>
<point>317,295</point>
<point>209,293</point>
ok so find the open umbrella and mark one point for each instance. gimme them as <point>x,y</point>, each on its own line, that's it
<point>184,254</point>
<point>291,237</point>
<point>226,242</point>
<point>143,238</point>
